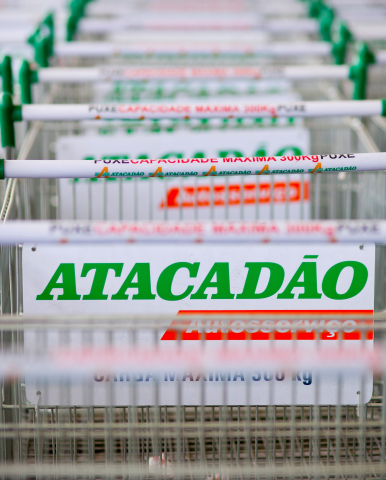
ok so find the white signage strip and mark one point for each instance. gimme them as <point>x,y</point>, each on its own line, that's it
<point>230,280</point>
<point>325,231</point>
<point>121,73</point>
<point>107,49</point>
<point>200,167</point>
<point>140,111</point>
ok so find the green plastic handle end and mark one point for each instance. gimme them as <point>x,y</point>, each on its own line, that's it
<point>6,74</point>
<point>77,12</point>
<point>383,107</point>
<point>359,70</point>
<point>315,8</point>
<point>326,20</point>
<point>49,22</point>
<point>2,176</point>
<point>339,47</point>
<point>43,40</point>
<point>26,78</point>
<point>7,127</point>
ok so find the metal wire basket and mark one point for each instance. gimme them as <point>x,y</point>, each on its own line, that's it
<point>227,441</point>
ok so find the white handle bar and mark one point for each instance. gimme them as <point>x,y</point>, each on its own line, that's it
<point>140,111</point>
<point>121,73</point>
<point>199,167</point>
<point>16,232</point>
<point>106,26</point>
<point>106,49</point>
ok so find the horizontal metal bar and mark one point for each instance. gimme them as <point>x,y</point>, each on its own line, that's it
<point>191,428</point>
<point>140,111</point>
<point>193,167</point>
<point>324,231</point>
<point>168,430</point>
<point>85,361</point>
<point>159,321</point>
<point>366,322</point>
<point>248,469</point>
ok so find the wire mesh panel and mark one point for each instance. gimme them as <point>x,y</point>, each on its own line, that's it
<point>257,441</point>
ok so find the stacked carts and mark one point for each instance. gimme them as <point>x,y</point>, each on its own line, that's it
<point>192,236</point>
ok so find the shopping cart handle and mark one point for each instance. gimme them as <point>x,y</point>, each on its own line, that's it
<point>193,167</point>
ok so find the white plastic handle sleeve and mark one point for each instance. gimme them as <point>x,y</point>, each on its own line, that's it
<point>119,9</point>
<point>369,31</point>
<point>105,49</point>
<point>140,111</point>
<point>324,231</point>
<point>176,25</point>
<point>196,167</point>
<point>105,26</point>
<point>380,57</point>
<point>16,18</point>
<point>119,73</point>
<point>12,36</point>
<point>189,37</point>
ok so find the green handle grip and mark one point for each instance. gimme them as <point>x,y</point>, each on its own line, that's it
<point>43,40</point>
<point>326,19</point>
<point>77,10</point>
<point>26,78</point>
<point>9,114</point>
<point>339,47</point>
<point>315,8</point>
<point>358,71</point>
<point>7,127</point>
<point>6,74</point>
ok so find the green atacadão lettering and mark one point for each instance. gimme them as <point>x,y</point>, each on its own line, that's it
<point>218,278</point>
<point>276,278</point>
<point>358,282</point>
<point>221,284</point>
<point>67,285</point>
<point>165,280</point>
<point>100,277</point>
<point>143,284</point>
<point>309,283</point>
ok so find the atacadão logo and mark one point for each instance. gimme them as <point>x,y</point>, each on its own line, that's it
<point>142,284</point>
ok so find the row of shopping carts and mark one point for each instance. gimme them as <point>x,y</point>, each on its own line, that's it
<point>211,172</point>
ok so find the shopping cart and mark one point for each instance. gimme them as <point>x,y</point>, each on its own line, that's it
<point>198,441</point>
